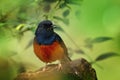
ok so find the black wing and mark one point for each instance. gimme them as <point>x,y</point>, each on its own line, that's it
<point>59,39</point>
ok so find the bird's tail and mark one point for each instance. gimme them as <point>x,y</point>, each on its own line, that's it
<point>65,59</point>
<point>66,63</point>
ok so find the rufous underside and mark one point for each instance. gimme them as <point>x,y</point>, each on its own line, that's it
<point>48,53</point>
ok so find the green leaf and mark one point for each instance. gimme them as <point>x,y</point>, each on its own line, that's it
<point>89,46</point>
<point>101,39</point>
<point>66,13</point>
<point>106,55</point>
<point>63,5</point>
<point>58,18</point>
<point>50,1</point>
<point>75,2</point>
<point>20,27</point>
<point>79,51</point>
<point>65,21</point>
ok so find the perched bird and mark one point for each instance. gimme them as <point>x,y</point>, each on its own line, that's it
<point>48,45</point>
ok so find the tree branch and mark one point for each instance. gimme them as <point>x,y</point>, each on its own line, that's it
<point>84,69</point>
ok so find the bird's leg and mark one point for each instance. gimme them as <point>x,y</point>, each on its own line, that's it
<point>59,66</point>
<point>44,69</point>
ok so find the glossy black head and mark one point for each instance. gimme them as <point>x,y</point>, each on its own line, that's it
<point>45,24</point>
<point>45,28</point>
<point>44,33</point>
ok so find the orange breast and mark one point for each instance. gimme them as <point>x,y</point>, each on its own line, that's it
<point>49,53</point>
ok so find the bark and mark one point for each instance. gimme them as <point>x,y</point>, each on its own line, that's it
<point>78,69</point>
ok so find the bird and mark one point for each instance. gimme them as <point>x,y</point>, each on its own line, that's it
<point>48,45</point>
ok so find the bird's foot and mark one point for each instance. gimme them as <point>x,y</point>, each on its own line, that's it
<point>59,67</point>
<point>44,69</point>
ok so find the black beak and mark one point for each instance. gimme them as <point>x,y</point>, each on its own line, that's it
<point>57,28</point>
<point>54,26</point>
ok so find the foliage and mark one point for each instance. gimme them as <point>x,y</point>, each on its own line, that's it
<point>23,16</point>
<point>90,42</point>
<point>26,17</point>
<point>106,55</point>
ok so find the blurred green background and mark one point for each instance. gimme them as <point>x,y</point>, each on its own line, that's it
<point>79,19</point>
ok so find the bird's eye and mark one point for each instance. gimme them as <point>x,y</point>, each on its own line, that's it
<point>51,28</point>
<point>48,29</point>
